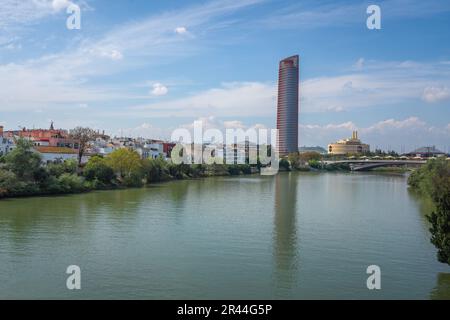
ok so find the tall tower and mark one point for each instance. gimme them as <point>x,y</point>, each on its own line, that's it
<point>287,113</point>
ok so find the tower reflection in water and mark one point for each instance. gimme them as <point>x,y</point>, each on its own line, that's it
<point>285,232</point>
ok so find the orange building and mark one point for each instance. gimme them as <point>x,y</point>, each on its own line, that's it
<point>46,137</point>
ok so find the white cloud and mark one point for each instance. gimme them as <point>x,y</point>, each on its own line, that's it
<point>104,51</point>
<point>387,134</point>
<point>359,64</point>
<point>61,77</point>
<point>435,94</point>
<point>16,13</point>
<point>234,124</point>
<point>116,55</point>
<point>159,90</point>
<point>13,46</point>
<point>232,99</point>
<point>325,13</point>
<point>379,84</point>
<point>211,122</point>
<point>208,122</point>
<point>145,130</point>
<point>180,30</point>
<point>392,124</point>
<point>60,4</point>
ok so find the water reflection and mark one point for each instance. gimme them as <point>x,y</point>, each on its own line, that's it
<point>285,230</point>
<point>442,289</point>
<point>19,223</point>
<point>223,237</point>
<point>425,204</point>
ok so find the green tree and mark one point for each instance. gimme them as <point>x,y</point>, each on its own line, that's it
<point>217,169</point>
<point>127,165</point>
<point>68,183</point>
<point>308,156</point>
<point>198,170</point>
<point>23,160</point>
<point>178,171</point>
<point>155,170</point>
<point>433,179</point>
<point>314,164</point>
<point>98,169</point>
<point>234,169</point>
<point>83,136</point>
<point>294,159</point>
<point>284,164</point>
<point>246,169</point>
<point>10,185</point>
<point>60,167</point>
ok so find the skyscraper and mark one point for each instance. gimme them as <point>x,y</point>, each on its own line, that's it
<point>287,113</point>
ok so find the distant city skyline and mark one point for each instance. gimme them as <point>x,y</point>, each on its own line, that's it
<point>146,68</point>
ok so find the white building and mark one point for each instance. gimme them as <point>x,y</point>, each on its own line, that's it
<point>41,142</point>
<point>150,150</point>
<point>53,154</point>
<point>6,144</point>
<point>102,146</point>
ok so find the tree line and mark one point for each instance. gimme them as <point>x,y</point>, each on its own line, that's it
<point>433,180</point>
<point>22,172</point>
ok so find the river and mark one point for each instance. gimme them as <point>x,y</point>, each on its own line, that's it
<point>291,236</point>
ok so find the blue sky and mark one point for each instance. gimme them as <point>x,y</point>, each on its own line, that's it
<point>145,68</point>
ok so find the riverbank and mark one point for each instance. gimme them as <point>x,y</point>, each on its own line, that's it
<point>22,173</point>
<point>78,184</point>
<point>433,181</point>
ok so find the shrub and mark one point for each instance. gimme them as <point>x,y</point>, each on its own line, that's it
<point>197,170</point>
<point>70,183</point>
<point>11,186</point>
<point>433,180</point>
<point>284,165</point>
<point>155,170</point>
<point>98,170</point>
<point>126,164</point>
<point>314,164</point>
<point>234,169</point>
<point>246,169</point>
<point>23,161</point>
<point>60,167</point>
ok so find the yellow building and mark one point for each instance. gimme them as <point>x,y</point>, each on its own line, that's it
<point>346,146</point>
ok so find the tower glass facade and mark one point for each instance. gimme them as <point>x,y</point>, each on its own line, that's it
<point>288,105</point>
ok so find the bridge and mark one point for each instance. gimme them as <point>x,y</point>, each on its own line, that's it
<point>366,165</point>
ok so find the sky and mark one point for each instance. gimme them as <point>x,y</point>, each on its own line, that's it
<point>145,68</point>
